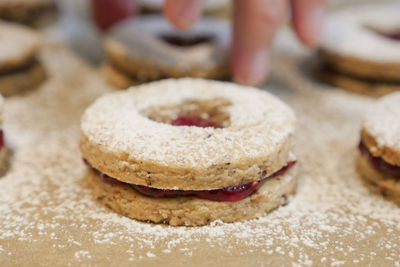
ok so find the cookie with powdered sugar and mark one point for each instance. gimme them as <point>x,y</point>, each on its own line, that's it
<point>20,68</point>
<point>190,151</point>
<point>149,48</point>
<point>361,49</point>
<point>379,160</point>
<point>29,12</point>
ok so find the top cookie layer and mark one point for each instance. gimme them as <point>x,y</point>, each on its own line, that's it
<point>136,46</point>
<point>353,32</point>
<point>18,45</point>
<point>120,140</point>
<point>381,127</point>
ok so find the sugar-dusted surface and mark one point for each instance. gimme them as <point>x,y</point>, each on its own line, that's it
<point>260,124</point>
<point>48,216</point>
<point>348,33</point>
<point>138,41</point>
<point>382,121</point>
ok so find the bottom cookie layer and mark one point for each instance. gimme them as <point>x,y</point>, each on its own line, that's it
<point>388,185</point>
<point>117,78</point>
<point>17,82</point>
<point>192,211</point>
<point>356,85</point>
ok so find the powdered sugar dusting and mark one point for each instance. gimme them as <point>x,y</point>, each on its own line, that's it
<point>46,207</point>
<point>382,120</point>
<point>140,38</point>
<point>259,124</point>
<point>348,32</point>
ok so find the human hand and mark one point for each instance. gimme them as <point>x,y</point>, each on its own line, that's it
<point>255,23</point>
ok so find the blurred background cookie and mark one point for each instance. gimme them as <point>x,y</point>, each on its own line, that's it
<point>361,49</point>
<point>379,160</point>
<point>148,48</point>
<point>29,12</point>
<point>20,68</point>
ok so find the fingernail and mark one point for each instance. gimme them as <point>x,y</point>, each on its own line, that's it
<point>251,69</point>
<point>188,14</point>
<point>316,26</point>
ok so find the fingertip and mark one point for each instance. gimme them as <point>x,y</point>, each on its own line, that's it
<point>183,13</point>
<point>308,22</point>
<point>250,68</point>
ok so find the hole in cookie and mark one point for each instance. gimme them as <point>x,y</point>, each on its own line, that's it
<point>390,34</point>
<point>184,41</point>
<point>200,113</point>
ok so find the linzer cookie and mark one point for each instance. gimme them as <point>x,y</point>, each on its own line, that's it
<point>379,161</point>
<point>190,151</point>
<point>149,48</point>
<point>20,68</point>
<point>29,12</point>
<point>361,49</point>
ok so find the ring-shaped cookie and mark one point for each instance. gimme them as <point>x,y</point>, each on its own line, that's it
<point>149,48</point>
<point>364,42</point>
<point>190,151</point>
<point>127,135</point>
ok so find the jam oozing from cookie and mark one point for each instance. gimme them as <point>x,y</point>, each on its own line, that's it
<point>194,121</point>
<point>186,41</point>
<point>379,163</point>
<point>230,193</point>
<point>2,142</point>
<point>226,194</point>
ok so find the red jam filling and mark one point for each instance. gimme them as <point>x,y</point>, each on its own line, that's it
<point>2,143</point>
<point>230,193</point>
<point>379,163</point>
<point>194,121</point>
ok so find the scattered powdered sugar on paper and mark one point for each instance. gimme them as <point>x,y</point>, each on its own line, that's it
<point>46,208</point>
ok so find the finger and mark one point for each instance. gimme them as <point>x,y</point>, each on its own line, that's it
<point>108,12</point>
<point>255,24</point>
<point>183,13</point>
<point>308,18</point>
